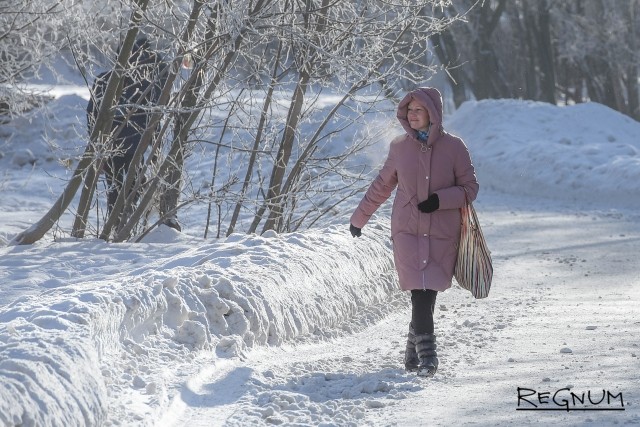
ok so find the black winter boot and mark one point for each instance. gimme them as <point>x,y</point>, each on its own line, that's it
<point>411,361</point>
<point>426,349</point>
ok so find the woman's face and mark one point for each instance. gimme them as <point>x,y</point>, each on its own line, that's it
<point>418,116</point>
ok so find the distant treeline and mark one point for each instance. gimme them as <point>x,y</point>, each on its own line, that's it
<point>566,51</point>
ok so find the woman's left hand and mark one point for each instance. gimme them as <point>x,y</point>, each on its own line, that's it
<point>430,205</point>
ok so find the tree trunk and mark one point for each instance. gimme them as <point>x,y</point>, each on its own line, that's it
<point>274,198</point>
<point>632,92</point>
<point>38,230</point>
<point>632,83</point>
<point>123,201</point>
<point>171,191</point>
<point>445,47</point>
<point>530,73</point>
<point>125,231</point>
<point>545,53</point>
<point>256,143</point>
<point>488,81</point>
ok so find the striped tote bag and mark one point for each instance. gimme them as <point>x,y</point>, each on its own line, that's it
<point>474,269</point>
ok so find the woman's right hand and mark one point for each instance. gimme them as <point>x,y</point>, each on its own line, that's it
<point>355,231</point>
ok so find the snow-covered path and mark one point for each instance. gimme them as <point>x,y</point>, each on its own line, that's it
<point>308,328</point>
<point>562,314</point>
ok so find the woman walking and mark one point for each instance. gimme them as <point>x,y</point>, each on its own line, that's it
<point>434,176</point>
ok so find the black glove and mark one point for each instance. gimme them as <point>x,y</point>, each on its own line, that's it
<point>355,231</point>
<point>430,205</point>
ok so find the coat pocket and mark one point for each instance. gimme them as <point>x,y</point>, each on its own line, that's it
<point>444,252</point>
<point>445,224</point>
<point>404,216</point>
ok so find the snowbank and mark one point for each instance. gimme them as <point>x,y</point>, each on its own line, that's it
<point>57,350</point>
<point>585,152</point>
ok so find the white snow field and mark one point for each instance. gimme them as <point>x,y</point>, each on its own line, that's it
<point>308,328</point>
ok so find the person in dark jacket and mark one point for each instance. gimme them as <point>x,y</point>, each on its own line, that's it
<point>141,88</point>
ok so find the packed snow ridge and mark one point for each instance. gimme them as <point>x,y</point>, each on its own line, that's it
<point>230,295</point>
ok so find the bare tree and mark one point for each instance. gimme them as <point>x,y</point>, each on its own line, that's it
<point>469,51</point>
<point>554,51</point>
<point>29,40</point>
<point>273,61</point>
<point>369,51</point>
<point>598,54</point>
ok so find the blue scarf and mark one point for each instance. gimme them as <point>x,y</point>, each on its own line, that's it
<point>423,135</point>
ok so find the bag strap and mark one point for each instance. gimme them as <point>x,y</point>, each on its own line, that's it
<point>471,216</point>
<point>466,195</point>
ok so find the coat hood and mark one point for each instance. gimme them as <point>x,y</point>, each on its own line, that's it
<point>431,99</point>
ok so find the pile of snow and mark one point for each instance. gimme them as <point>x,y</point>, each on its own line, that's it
<point>585,152</point>
<point>57,349</point>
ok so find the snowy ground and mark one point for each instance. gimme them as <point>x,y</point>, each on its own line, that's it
<point>308,328</point>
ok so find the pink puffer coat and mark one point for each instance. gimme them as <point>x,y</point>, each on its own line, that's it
<point>424,245</point>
